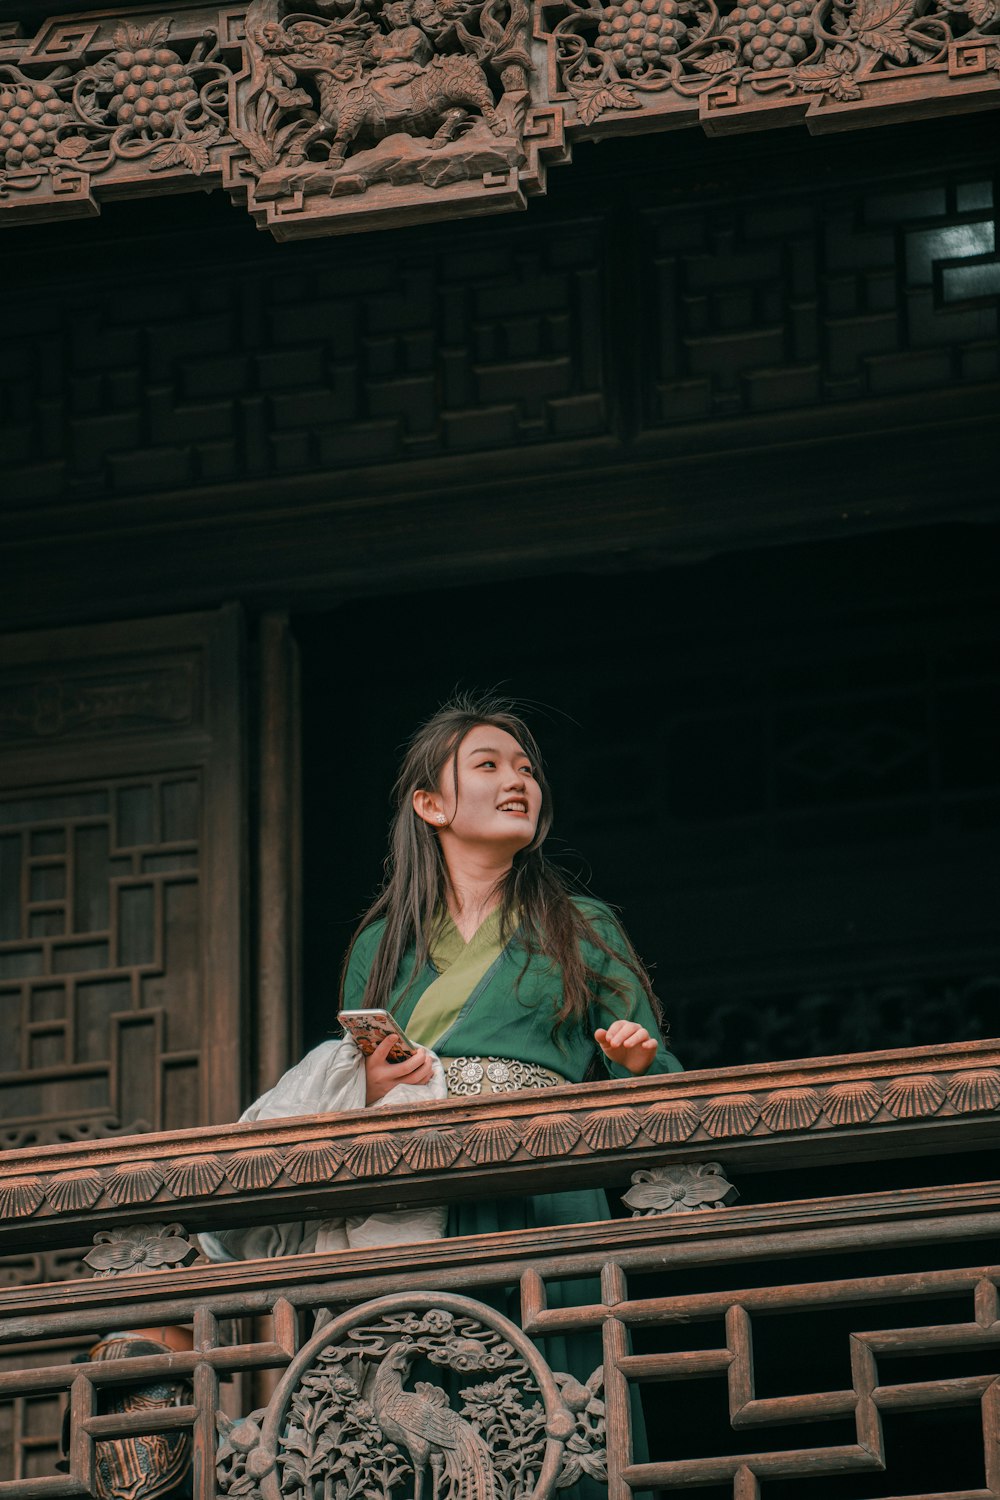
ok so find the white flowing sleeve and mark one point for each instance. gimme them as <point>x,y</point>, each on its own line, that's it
<point>329,1079</point>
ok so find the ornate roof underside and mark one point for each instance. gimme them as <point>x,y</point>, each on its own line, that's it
<point>341,115</point>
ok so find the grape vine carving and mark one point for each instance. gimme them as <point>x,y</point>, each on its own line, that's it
<point>629,54</point>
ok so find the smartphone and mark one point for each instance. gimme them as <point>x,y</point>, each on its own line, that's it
<point>370,1027</point>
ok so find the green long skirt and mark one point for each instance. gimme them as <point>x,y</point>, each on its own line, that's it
<point>581,1354</point>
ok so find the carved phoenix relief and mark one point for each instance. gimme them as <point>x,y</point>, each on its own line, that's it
<point>488,1421</point>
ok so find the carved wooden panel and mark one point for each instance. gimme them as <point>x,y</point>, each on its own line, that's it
<point>662,64</point>
<point>121,858</point>
<point>119,880</point>
<point>866,1352</point>
<point>100,958</point>
<point>405,110</point>
<point>319,123</point>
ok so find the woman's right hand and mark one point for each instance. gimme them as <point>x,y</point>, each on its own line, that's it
<point>381,1075</point>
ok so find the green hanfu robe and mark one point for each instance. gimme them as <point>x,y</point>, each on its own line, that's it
<point>508,1012</point>
<point>483,1000</point>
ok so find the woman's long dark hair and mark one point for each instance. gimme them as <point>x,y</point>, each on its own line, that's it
<point>534,896</point>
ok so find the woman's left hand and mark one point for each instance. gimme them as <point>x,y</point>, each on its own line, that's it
<point>627,1043</point>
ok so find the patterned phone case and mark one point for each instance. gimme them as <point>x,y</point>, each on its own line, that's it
<point>369,1028</point>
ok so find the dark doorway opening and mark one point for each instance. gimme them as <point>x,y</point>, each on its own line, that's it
<point>782,765</point>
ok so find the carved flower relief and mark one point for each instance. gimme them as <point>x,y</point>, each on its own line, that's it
<point>140,1247</point>
<point>678,1189</point>
<point>492,1394</point>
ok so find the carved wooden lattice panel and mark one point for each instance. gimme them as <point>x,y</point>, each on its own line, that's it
<point>120,909</point>
<point>828,1371</point>
<point>99,958</point>
<point>765,306</point>
<point>120,876</point>
<point>495,341</point>
<point>120,912</point>
<point>727,1431</point>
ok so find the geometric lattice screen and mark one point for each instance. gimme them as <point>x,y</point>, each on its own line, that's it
<point>122,792</point>
<point>100,927</point>
<point>120,879</point>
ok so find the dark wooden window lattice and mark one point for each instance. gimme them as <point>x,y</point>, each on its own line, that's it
<point>100,915</point>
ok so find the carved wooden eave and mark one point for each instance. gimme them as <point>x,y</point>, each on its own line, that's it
<point>339,115</point>
<point>765,1117</point>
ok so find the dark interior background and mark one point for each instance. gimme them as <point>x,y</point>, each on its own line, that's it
<point>780,764</point>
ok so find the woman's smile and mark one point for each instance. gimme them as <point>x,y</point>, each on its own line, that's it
<point>488,795</point>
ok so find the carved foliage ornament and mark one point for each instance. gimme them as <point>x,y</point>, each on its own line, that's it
<point>347,114</point>
<point>320,118</point>
<point>679,1189</point>
<point>144,97</point>
<point>426,1394</point>
<point>728,65</point>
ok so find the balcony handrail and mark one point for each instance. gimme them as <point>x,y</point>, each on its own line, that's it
<point>968,1213</point>
<point>813,1111</point>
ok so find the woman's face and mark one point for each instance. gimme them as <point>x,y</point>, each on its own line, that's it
<point>499,800</point>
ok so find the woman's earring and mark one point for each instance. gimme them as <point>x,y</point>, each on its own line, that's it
<point>441,818</point>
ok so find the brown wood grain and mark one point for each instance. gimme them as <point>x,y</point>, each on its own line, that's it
<point>734,1236</point>
<point>897,1103</point>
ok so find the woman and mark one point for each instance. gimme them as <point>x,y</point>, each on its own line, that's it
<point>481,952</point>
<point>479,949</point>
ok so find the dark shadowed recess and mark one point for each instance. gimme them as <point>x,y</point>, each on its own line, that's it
<point>781,765</point>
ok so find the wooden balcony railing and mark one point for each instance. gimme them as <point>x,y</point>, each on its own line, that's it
<point>542,1339</point>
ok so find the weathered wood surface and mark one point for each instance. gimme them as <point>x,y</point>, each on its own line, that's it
<point>817,1111</point>
<point>277,1038</point>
